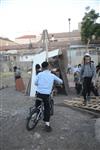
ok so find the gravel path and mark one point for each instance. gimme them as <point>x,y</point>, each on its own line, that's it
<point>72,129</point>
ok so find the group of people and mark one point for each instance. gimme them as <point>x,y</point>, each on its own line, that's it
<point>85,79</point>
<point>84,82</point>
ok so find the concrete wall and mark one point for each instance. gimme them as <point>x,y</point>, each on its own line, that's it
<point>8,66</point>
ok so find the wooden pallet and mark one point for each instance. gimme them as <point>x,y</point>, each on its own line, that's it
<point>78,102</point>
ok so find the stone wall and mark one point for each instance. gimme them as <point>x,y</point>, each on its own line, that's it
<point>6,66</point>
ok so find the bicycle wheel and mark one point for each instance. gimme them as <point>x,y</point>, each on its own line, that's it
<point>32,120</point>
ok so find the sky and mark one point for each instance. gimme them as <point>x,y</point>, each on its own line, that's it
<point>29,17</point>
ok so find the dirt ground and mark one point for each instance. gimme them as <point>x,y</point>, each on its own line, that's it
<point>72,129</point>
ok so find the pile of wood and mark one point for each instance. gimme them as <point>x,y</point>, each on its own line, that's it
<point>93,104</point>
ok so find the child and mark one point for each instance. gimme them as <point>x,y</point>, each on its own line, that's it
<point>78,85</point>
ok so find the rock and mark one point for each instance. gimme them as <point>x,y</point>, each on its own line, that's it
<point>61,137</point>
<point>41,142</point>
<point>37,135</point>
<point>37,148</point>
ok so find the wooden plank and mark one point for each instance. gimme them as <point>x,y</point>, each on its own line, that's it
<point>91,106</point>
<point>63,62</point>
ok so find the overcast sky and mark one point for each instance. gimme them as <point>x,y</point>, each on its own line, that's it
<point>21,17</point>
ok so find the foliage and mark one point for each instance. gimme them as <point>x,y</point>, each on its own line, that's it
<point>90,29</point>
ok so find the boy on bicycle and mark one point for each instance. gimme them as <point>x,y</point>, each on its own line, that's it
<point>44,82</point>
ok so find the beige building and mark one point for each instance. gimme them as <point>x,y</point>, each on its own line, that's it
<point>53,37</point>
<point>6,42</point>
<point>33,42</point>
<point>65,36</point>
<point>27,39</point>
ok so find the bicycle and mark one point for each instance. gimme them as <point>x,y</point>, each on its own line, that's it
<point>36,113</point>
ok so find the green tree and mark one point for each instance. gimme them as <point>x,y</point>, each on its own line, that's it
<point>97,30</point>
<point>90,28</point>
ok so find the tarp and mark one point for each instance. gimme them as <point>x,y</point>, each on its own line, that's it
<point>38,59</point>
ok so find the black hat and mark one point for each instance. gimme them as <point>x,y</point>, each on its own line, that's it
<point>37,66</point>
<point>45,64</point>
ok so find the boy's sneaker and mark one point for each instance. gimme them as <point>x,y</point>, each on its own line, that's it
<point>48,128</point>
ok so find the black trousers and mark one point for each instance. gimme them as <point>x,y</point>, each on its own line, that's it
<point>94,90</point>
<point>45,98</point>
<point>78,87</point>
<point>86,87</point>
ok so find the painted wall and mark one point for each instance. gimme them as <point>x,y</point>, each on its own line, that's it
<point>77,56</point>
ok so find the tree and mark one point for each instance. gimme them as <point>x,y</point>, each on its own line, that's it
<point>97,30</point>
<point>90,28</point>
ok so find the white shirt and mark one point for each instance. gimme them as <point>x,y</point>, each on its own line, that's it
<point>45,80</point>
